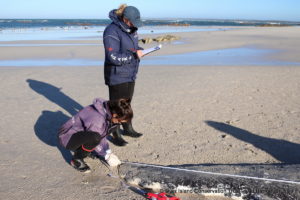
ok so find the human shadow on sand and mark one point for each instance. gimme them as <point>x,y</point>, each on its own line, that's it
<point>283,150</point>
<point>46,128</point>
<point>48,123</point>
<point>54,95</point>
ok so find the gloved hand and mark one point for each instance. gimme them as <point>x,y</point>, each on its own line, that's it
<point>112,160</point>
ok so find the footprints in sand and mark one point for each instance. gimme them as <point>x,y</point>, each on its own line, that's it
<point>246,148</point>
<point>228,140</point>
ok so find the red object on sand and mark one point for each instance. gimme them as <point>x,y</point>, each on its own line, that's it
<point>160,196</point>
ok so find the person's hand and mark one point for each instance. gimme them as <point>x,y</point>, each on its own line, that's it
<point>112,160</point>
<point>139,54</point>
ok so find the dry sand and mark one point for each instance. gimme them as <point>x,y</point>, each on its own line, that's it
<point>178,108</point>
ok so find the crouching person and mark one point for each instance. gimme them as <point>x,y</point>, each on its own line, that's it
<point>87,130</point>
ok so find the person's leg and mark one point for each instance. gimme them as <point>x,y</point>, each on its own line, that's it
<point>131,86</point>
<point>87,140</point>
<point>128,129</point>
<point>82,143</point>
<point>117,92</point>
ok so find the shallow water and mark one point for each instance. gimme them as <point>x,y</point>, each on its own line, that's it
<point>222,57</point>
<point>49,45</point>
<point>244,56</point>
<point>50,62</point>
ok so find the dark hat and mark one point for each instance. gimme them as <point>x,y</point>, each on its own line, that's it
<point>133,15</point>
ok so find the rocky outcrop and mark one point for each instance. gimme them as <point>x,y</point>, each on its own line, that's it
<point>165,38</point>
<point>178,24</point>
<point>273,25</point>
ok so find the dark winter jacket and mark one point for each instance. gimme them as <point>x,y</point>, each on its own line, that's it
<point>96,118</point>
<point>120,44</point>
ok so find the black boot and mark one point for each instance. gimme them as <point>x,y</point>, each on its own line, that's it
<point>129,131</point>
<point>78,163</point>
<point>117,137</point>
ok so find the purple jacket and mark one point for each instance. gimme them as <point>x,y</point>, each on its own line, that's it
<point>96,118</point>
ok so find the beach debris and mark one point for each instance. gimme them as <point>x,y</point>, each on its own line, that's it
<point>84,182</point>
<point>159,39</point>
<point>233,120</point>
<point>229,122</point>
<point>160,196</point>
<point>154,187</point>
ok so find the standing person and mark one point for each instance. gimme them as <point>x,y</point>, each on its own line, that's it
<point>87,130</point>
<point>122,58</point>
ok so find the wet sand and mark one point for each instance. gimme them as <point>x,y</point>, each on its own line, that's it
<point>178,108</point>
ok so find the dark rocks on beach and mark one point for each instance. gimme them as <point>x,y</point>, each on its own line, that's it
<point>146,40</point>
<point>25,21</point>
<point>84,24</point>
<point>165,38</point>
<point>79,24</point>
<point>178,24</point>
<point>273,25</point>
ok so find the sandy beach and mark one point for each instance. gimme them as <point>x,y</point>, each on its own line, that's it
<point>178,108</point>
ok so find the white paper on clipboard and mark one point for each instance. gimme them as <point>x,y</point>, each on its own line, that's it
<point>152,49</point>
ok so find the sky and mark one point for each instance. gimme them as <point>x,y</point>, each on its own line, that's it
<point>287,10</point>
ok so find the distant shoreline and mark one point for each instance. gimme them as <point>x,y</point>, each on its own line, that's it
<point>46,23</point>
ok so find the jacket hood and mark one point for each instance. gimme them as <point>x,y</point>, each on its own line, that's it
<point>116,20</point>
<point>102,107</point>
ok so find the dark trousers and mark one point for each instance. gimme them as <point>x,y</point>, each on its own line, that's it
<point>123,90</point>
<point>86,139</point>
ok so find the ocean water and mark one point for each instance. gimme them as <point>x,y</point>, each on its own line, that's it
<point>87,29</point>
<point>62,23</point>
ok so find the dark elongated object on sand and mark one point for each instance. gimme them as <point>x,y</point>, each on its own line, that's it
<point>245,181</point>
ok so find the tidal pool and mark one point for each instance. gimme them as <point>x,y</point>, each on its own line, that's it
<point>244,56</point>
<point>222,57</point>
